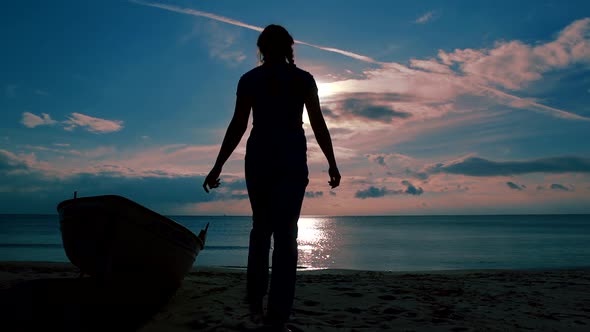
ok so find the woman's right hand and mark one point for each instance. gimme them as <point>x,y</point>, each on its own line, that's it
<point>212,179</point>
<point>334,177</point>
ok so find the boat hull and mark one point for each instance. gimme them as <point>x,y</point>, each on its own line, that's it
<point>115,239</point>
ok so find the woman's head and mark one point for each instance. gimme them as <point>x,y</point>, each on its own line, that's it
<point>275,44</point>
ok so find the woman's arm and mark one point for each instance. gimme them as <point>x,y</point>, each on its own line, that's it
<point>322,135</point>
<point>233,136</point>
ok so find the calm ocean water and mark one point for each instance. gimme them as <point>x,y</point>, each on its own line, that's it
<point>393,243</point>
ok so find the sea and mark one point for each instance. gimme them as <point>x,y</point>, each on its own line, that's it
<point>375,243</point>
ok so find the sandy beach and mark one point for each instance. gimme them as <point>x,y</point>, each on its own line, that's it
<point>49,296</point>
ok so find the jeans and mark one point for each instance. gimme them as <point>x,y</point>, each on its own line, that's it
<point>276,178</point>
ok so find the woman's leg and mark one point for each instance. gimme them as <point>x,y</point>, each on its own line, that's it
<point>257,272</point>
<point>284,258</point>
<point>284,269</point>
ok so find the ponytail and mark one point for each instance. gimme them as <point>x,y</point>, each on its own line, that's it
<point>290,57</point>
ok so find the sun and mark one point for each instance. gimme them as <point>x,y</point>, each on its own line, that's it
<point>326,89</point>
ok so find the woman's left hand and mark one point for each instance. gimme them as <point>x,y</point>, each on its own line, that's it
<point>334,177</point>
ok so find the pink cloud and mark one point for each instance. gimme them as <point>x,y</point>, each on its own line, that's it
<point>92,124</point>
<point>31,120</point>
<point>513,64</point>
<point>425,85</point>
<point>431,66</point>
<point>459,55</point>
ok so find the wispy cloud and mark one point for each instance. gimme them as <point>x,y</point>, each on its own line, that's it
<point>9,161</point>
<point>474,166</point>
<point>90,123</point>
<point>425,18</point>
<point>220,40</point>
<point>31,120</point>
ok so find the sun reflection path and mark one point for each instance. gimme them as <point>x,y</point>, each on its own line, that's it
<point>317,240</point>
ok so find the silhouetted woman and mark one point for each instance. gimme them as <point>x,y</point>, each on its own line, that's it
<point>276,166</point>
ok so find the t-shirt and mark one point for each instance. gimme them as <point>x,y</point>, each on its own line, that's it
<point>277,92</point>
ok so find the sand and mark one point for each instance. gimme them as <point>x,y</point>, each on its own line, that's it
<point>49,296</point>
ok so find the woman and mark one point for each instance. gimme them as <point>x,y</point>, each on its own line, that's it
<point>276,166</point>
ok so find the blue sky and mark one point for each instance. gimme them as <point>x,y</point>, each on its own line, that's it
<point>435,107</point>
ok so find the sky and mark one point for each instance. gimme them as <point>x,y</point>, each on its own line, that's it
<point>434,107</point>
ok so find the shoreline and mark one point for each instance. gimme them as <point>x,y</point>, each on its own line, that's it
<point>307,270</point>
<point>43,294</point>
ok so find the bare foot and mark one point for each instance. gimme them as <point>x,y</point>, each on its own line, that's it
<point>256,312</point>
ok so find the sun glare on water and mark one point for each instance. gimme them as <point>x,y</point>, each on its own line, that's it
<point>316,242</point>
<point>309,232</point>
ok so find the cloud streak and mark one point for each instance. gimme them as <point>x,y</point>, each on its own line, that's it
<point>474,166</point>
<point>425,18</point>
<point>375,192</point>
<point>194,12</point>
<point>31,120</point>
<point>90,123</point>
<point>227,20</point>
<point>557,186</point>
<point>515,186</point>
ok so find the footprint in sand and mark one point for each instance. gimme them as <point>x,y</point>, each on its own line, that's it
<point>198,324</point>
<point>353,310</point>
<point>394,311</point>
<point>309,312</point>
<point>310,303</point>
<point>213,291</point>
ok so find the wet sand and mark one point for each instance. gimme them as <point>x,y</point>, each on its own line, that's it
<point>50,296</point>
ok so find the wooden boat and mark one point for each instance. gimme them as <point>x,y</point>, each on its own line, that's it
<point>115,239</point>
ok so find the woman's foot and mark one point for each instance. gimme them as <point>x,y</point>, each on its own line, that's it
<point>256,312</point>
<point>278,328</point>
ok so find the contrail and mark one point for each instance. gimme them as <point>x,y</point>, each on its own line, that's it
<point>537,106</point>
<point>193,12</point>
<point>343,52</point>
